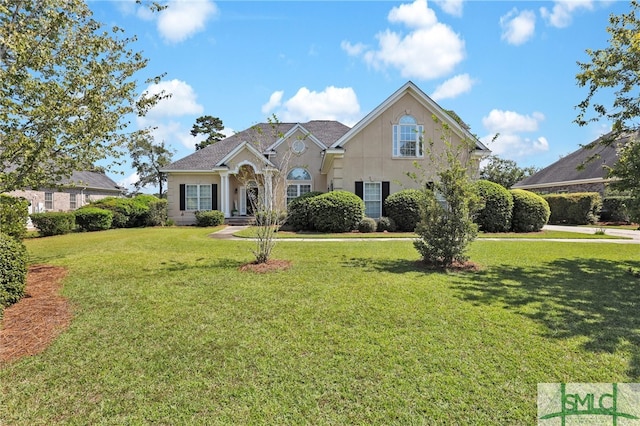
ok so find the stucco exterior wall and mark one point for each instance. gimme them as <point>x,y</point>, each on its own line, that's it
<point>174,180</point>
<point>369,157</point>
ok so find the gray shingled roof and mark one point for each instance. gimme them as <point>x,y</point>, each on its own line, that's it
<point>568,167</point>
<point>262,135</point>
<point>94,180</point>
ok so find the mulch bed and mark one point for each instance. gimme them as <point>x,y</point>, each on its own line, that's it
<point>270,266</point>
<point>29,326</point>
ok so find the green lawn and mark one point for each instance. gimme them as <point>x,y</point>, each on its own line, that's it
<point>250,233</point>
<point>167,330</point>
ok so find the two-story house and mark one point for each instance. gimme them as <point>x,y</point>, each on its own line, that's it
<point>371,159</point>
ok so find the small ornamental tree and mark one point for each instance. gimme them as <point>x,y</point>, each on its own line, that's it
<point>446,227</point>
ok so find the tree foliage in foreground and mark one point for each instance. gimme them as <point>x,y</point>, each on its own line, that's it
<point>67,91</point>
<point>446,228</point>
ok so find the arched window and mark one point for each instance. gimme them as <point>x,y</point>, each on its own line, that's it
<point>407,138</point>
<point>298,183</point>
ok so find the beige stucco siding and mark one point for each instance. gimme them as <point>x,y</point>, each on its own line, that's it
<point>310,159</point>
<point>174,180</point>
<point>61,199</point>
<point>369,154</point>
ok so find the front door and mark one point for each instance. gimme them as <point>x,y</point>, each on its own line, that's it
<point>251,198</point>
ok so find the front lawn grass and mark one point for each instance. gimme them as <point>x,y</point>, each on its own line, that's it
<point>544,234</point>
<point>167,330</point>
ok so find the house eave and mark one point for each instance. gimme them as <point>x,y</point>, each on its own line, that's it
<point>563,183</point>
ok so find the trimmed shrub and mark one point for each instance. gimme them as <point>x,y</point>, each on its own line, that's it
<point>157,213</point>
<point>386,224</point>
<point>13,270</point>
<point>127,212</point>
<point>404,208</point>
<point>54,223</point>
<point>14,213</point>
<point>615,209</point>
<point>496,214</point>
<point>530,211</point>
<point>336,211</point>
<point>93,219</point>
<point>579,208</point>
<point>298,211</point>
<point>209,218</point>
<point>367,225</point>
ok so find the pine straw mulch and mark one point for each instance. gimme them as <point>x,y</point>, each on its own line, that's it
<point>29,326</point>
<point>271,265</point>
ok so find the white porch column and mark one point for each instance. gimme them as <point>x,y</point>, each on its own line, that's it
<point>224,194</point>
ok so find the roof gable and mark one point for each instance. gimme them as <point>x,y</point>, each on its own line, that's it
<point>426,101</point>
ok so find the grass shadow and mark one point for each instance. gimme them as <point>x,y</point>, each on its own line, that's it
<point>595,299</point>
<point>201,263</point>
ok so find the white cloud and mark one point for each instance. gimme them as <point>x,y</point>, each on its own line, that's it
<point>183,100</point>
<point>453,87</point>
<point>562,13</point>
<point>183,18</point>
<point>499,121</point>
<point>334,103</point>
<point>510,125</point>
<point>128,182</point>
<point>518,28</point>
<point>430,50</point>
<point>452,7</point>
<point>275,100</point>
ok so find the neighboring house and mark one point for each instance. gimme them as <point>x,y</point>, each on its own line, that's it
<point>75,192</point>
<point>584,170</point>
<point>371,159</point>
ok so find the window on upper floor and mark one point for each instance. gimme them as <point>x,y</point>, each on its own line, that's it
<point>407,138</point>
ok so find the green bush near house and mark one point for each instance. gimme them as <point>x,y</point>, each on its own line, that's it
<point>367,225</point>
<point>530,211</point>
<point>298,211</point>
<point>615,209</point>
<point>336,211</point>
<point>14,213</point>
<point>386,224</point>
<point>497,212</point>
<point>93,219</point>
<point>141,210</point>
<point>13,270</point>
<point>209,218</point>
<point>580,208</point>
<point>54,223</point>
<point>403,207</point>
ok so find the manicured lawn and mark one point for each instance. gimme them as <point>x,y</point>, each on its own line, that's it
<point>545,234</point>
<point>167,330</point>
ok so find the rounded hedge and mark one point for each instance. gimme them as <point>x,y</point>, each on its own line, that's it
<point>403,207</point>
<point>336,211</point>
<point>530,211</point>
<point>497,212</point>
<point>386,224</point>
<point>93,219</point>
<point>13,270</point>
<point>298,211</point>
<point>367,225</point>
<point>209,218</point>
<point>54,223</point>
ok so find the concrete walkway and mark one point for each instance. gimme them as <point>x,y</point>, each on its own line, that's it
<point>633,235</point>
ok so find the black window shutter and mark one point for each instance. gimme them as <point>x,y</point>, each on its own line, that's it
<point>385,194</point>
<point>182,197</point>
<point>214,196</point>
<point>359,189</point>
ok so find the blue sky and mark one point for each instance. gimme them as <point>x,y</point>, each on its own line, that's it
<point>505,67</point>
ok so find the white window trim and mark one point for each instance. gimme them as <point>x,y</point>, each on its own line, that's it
<point>396,134</point>
<point>378,200</point>
<point>47,201</point>
<point>198,197</point>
